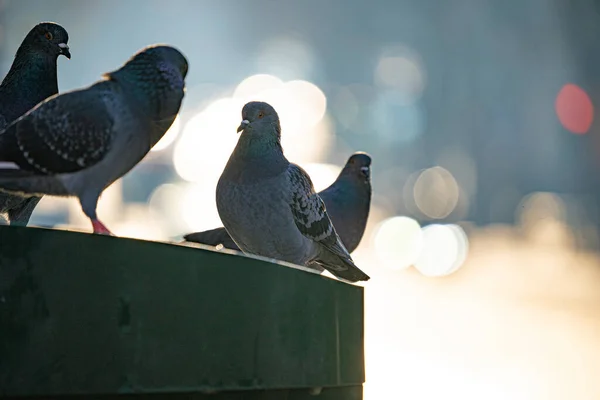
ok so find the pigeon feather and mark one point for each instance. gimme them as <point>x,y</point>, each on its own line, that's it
<point>312,220</point>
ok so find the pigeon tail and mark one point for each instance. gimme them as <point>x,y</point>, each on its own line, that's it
<point>28,184</point>
<point>21,213</point>
<point>341,267</point>
<point>213,237</point>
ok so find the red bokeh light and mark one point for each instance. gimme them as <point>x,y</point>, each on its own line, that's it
<point>574,109</point>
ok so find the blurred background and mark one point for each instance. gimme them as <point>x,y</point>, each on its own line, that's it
<point>482,242</point>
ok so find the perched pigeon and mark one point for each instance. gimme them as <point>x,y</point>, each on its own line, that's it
<point>78,143</point>
<point>269,205</point>
<point>347,201</point>
<point>31,79</point>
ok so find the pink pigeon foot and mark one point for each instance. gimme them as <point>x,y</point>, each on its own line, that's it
<point>100,229</point>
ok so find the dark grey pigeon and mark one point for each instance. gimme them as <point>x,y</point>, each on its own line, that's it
<point>30,80</point>
<point>347,201</point>
<point>269,206</point>
<point>78,143</point>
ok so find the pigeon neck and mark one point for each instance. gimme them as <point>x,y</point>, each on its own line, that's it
<point>157,96</point>
<point>349,187</point>
<point>348,201</point>
<point>254,146</point>
<point>133,87</point>
<point>255,158</point>
<point>351,175</point>
<point>31,79</point>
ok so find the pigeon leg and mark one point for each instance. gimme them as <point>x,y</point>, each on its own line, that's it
<point>89,202</point>
<point>100,229</point>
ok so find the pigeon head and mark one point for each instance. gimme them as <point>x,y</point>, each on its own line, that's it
<point>46,38</point>
<point>155,78</point>
<point>166,57</point>
<point>154,61</point>
<point>359,164</point>
<point>259,118</point>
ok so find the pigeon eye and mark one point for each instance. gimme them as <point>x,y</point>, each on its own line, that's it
<point>48,36</point>
<point>261,114</point>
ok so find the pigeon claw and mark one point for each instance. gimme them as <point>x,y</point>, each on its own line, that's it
<point>100,229</point>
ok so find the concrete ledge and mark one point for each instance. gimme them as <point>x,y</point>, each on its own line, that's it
<point>98,316</point>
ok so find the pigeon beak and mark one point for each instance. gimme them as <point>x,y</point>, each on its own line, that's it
<point>64,50</point>
<point>366,171</point>
<point>243,125</point>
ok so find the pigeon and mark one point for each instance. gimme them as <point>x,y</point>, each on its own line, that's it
<point>347,202</point>
<point>30,80</point>
<point>79,142</point>
<point>269,206</point>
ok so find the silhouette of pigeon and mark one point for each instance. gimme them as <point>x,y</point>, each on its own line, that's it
<point>30,80</point>
<point>78,143</point>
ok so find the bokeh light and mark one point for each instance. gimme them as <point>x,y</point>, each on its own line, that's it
<point>255,84</point>
<point>398,242</point>
<point>444,250</point>
<point>165,202</point>
<point>463,167</point>
<point>322,175</point>
<point>198,209</point>
<point>541,216</point>
<point>196,158</point>
<point>436,192</point>
<point>540,205</point>
<point>400,70</point>
<point>140,223</point>
<point>110,206</point>
<point>305,104</point>
<point>462,245</point>
<point>574,109</point>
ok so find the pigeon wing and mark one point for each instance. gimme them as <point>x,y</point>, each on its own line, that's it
<point>64,134</point>
<point>311,216</point>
